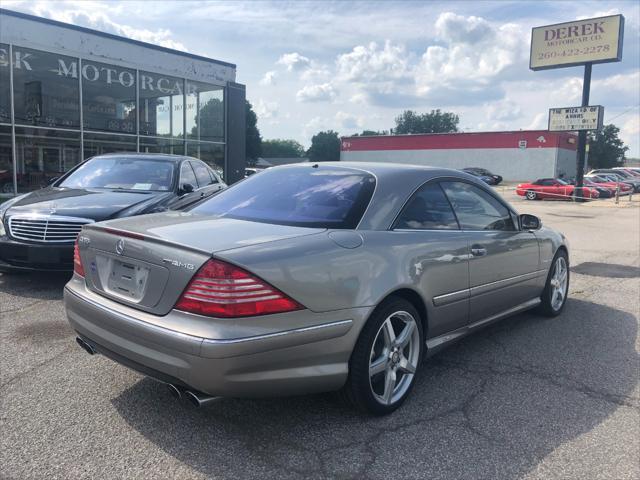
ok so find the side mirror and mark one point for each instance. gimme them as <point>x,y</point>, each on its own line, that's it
<point>530,222</point>
<point>186,188</point>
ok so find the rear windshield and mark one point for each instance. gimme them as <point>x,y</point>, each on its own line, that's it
<point>322,196</point>
<point>122,173</point>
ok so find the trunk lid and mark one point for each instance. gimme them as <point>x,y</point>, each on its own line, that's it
<point>146,262</point>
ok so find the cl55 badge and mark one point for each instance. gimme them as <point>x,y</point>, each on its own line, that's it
<point>177,263</point>
<point>82,240</point>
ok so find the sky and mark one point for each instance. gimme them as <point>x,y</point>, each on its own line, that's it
<point>350,66</point>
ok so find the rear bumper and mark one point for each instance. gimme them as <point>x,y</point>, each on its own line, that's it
<point>24,256</point>
<point>311,355</point>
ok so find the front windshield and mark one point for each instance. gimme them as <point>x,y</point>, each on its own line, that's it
<point>122,173</point>
<point>316,196</point>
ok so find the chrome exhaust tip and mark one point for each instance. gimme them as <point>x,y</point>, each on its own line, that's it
<point>199,399</point>
<point>175,391</point>
<point>87,347</point>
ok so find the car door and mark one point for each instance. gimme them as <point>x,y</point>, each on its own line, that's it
<point>188,192</point>
<point>208,184</point>
<point>504,261</point>
<point>434,251</point>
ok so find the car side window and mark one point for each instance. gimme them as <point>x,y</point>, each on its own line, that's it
<point>202,174</point>
<point>428,209</point>
<point>477,209</point>
<point>548,183</point>
<point>187,175</point>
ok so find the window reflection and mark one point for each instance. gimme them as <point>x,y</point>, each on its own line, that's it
<point>6,161</point>
<point>205,111</point>
<point>108,97</point>
<point>161,105</point>
<point>97,144</point>
<point>162,145</point>
<point>45,88</point>
<point>43,155</point>
<point>5,92</point>
<point>211,154</point>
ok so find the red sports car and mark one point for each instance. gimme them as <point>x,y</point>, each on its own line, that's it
<point>554,188</point>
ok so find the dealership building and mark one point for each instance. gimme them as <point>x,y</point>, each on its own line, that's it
<point>68,93</point>
<point>516,156</point>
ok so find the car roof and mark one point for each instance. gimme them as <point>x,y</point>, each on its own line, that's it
<point>395,183</point>
<point>167,157</point>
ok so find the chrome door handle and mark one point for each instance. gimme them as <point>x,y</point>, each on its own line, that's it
<point>478,251</point>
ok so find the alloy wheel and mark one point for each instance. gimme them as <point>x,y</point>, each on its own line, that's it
<point>559,283</point>
<point>394,357</point>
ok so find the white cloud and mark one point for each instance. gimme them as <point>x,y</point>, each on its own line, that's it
<point>457,28</point>
<point>323,92</point>
<point>269,78</point>
<point>503,110</point>
<point>294,61</point>
<point>349,121</point>
<point>266,109</point>
<point>96,15</point>
<point>373,64</point>
<point>475,55</point>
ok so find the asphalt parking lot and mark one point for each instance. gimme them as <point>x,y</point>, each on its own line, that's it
<point>528,398</point>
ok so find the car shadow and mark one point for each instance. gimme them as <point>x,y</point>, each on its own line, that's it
<point>493,405</point>
<point>34,285</point>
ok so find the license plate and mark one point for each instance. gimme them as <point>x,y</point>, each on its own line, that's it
<point>127,279</point>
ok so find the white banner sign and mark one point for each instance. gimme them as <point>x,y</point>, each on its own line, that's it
<point>571,119</point>
<point>595,40</point>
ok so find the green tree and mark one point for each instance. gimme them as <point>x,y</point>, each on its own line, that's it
<point>325,147</point>
<point>253,139</point>
<point>371,133</point>
<point>281,148</point>
<point>606,149</point>
<point>435,121</point>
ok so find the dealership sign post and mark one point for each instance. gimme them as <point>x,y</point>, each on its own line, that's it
<point>583,42</point>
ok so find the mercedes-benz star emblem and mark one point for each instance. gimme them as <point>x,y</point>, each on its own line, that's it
<point>120,246</point>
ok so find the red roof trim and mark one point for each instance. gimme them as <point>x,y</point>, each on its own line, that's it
<point>450,141</point>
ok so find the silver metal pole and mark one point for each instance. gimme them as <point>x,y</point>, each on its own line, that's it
<point>81,105</point>
<point>14,153</point>
<point>138,110</point>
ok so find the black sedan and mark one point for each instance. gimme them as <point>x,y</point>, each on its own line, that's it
<point>38,229</point>
<point>492,179</point>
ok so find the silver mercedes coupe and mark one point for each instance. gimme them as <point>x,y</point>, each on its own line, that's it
<point>310,278</point>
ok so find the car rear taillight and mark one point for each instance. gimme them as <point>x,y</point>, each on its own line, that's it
<point>220,289</point>
<point>78,269</point>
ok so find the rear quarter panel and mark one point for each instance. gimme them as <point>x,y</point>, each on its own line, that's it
<point>324,276</point>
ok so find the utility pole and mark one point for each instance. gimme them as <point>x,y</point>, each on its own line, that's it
<point>582,136</point>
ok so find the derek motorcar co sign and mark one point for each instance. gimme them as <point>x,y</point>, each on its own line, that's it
<point>595,40</point>
<point>571,119</point>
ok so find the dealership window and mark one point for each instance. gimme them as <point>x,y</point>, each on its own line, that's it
<point>98,144</point>
<point>45,89</point>
<point>210,153</point>
<point>43,154</point>
<point>161,105</point>
<point>6,162</point>
<point>162,145</point>
<point>5,93</point>
<point>108,97</point>
<point>205,111</point>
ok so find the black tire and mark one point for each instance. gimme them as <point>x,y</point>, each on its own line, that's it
<point>531,195</point>
<point>546,306</point>
<point>359,390</point>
